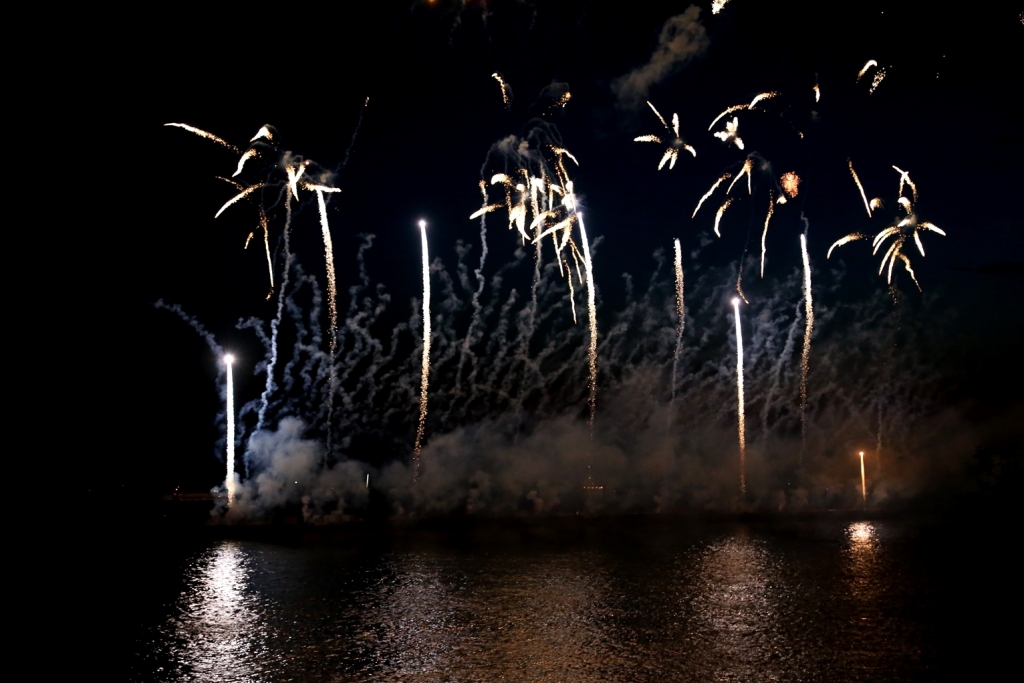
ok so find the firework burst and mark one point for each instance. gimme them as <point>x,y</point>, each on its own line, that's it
<point>672,151</point>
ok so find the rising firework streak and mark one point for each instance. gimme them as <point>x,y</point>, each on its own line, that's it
<point>741,413</point>
<point>680,315</point>
<point>867,207</point>
<point>425,370</point>
<point>229,480</point>
<point>805,356</point>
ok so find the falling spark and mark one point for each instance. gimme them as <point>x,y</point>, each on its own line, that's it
<point>294,173</point>
<point>877,80</point>
<point>852,237</point>
<point>204,134</point>
<point>680,318</point>
<point>263,132</point>
<point>592,311</point>
<point>241,195</point>
<point>504,88</point>
<point>717,5</point>
<point>425,371</point>
<point>229,480</point>
<point>764,234</point>
<point>725,176</point>
<point>867,207</point>
<point>863,481</point>
<point>730,110</point>
<point>870,63</point>
<point>572,291</point>
<point>739,397</point>
<point>808,328</point>
<point>748,166</point>
<point>762,97</point>
<point>817,93</point>
<point>563,100</point>
<point>249,154</point>
<point>718,215</point>
<point>877,203</point>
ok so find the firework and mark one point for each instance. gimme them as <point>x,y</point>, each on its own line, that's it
<point>739,398</point>
<point>863,481</point>
<point>717,5</point>
<point>808,328</point>
<point>764,233</point>
<point>425,370</point>
<point>203,134</point>
<point>229,479</point>
<point>817,93</point>
<point>672,152</point>
<point>725,176</point>
<point>249,154</point>
<point>870,63</point>
<point>680,317</point>
<point>505,97</point>
<point>238,197</point>
<point>731,133</point>
<point>877,80</point>
<point>867,206</point>
<point>748,166</point>
<point>592,312</point>
<point>718,214</point>
<point>790,186</point>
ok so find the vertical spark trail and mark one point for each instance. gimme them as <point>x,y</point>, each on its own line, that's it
<point>863,481</point>
<point>592,311</point>
<point>681,320</point>
<point>266,247</point>
<point>739,398</point>
<point>764,234</point>
<point>860,187</point>
<point>425,372</point>
<point>806,354</point>
<point>332,305</point>
<point>474,324</point>
<point>229,480</point>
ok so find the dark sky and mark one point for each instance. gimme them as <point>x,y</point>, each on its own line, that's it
<point>948,111</point>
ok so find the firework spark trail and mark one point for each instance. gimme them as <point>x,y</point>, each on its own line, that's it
<point>238,197</point>
<point>680,319</point>
<point>592,311</point>
<point>748,166</point>
<point>739,398</point>
<point>725,176</point>
<point>867,206</point>
<point>805,356</point>
<point>717,5</point>
<point>863,481</point>
<point>229,479</point>
<point>480,282</point>
<point>263,132</point>
<point>355,133</point>
<point>425,371</point>
<point>249,154</point>
<point>764,234</point>
<point>731,133</point>
<point>266,247</point>
<point>332,302</point>
<point>718,215</point>
<point>730,110</point>
<point>275,324</point>
<point>504,88</point>
<point>762,97</point>
<point>905,181</point>
<point>877,80</point>
<point>864,69</point>
<point>845,240</point>
<point>204,134</point>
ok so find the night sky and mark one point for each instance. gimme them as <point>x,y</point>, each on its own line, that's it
<point>948,111</point>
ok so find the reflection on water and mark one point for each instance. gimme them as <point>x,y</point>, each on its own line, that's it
<point>720,603</point>
<point>216,630</point>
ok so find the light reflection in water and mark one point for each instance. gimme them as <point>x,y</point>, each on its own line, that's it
<point>217,625</point>
<point>736,610</point>
<point>863,561</point>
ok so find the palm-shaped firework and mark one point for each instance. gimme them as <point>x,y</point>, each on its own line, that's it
<point>676,143</point>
